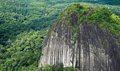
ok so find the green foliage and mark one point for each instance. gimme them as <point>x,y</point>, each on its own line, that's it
<point>107,21</point>
<point>24,25</point>
<point>113,2</point>
<point>26,50</point>
<point>57,68</point>
<point>70,69</point>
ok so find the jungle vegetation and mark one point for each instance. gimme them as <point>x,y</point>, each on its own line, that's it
<point>24,25</point>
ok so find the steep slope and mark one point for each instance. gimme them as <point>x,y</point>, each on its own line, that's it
<point>85,38</point>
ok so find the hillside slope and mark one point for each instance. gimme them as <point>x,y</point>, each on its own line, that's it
<point>25,23</point>
<point>84,37</point>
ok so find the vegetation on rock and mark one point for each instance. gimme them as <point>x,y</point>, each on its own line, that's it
<point>25,23</point>
<point>107,20</point>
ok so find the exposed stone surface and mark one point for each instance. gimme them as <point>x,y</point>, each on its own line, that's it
<point>91,51</point>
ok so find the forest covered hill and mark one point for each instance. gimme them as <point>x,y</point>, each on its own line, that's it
<point>24,25</point>
<point>86,38</point>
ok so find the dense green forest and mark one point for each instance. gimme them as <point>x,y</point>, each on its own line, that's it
<point>24,25</point>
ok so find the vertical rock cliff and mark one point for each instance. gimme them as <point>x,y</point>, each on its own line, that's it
<point>85,38</point>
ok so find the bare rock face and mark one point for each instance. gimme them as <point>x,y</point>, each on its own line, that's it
<point>89,48</point>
